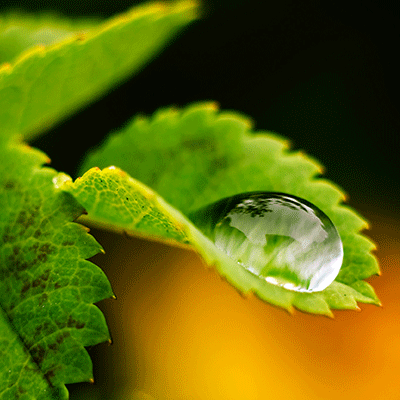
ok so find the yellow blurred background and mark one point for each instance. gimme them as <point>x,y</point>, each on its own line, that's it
<point>181,333</point>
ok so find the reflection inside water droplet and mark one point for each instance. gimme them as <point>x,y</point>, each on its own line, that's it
<point>281,238</point>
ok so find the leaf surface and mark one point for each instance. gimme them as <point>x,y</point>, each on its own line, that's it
<point>19,31</point>
<point>47,287</point>
<point>196,156</point>
<point>47,83</point>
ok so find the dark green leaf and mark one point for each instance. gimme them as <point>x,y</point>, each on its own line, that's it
<point>47,288</point>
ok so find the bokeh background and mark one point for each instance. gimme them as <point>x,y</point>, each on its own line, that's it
<point>324,75</point>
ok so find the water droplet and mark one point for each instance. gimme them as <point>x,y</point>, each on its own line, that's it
<point>281,238</point>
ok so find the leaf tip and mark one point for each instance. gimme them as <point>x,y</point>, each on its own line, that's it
<point>286,144</point>
<point>209,105</point>
<point>321,169</point>
<point>248,123</point>
<point>345,197</point>
<point>367,226</point>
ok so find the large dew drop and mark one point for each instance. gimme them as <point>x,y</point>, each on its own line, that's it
<point>281,238</point>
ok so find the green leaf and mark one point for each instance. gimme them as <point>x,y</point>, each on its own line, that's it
<point>47,287</point>
<point>195,156</point>
<point>48,83</point>
<point>19,31</point>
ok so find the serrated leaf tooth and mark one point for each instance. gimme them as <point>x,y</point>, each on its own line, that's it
<point>212,105</point>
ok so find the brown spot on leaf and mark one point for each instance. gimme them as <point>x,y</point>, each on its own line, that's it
<point>25,219</point>
<point>42,257</point>
<point>36,283</point>
<point>45,275</point>
<point>52,346</point>
<point>26,287</point>
<point>7,236</point>
<point>19,261</point>
<point>16,264</point>
<point>60,338</point>
<point>57,285</point>
<point>38,353</point>
<point>49,375</point>
<point>9,185</point>
<point>40,281</point>
<point>43,330</point>
<point>46,248</point>
<point>73,323</point>
<point>34,247</point>
<point>21,390</point>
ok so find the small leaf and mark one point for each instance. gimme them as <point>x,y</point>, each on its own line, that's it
<point>196,156</point>
<point>46,84</point>
<point>46,285</point>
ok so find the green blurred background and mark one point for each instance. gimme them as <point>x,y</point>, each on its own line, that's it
<point>323,74</point>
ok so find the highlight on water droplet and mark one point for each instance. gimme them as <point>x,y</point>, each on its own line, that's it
<point>283,239</point>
